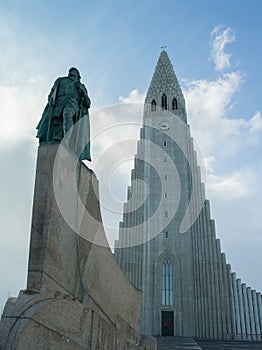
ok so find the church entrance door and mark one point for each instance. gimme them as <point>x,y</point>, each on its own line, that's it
<point>167,323</point>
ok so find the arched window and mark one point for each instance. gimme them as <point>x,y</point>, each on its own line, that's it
<point>153,106</point>
<point>174,103</point>
<point>167,283</point>
<point>164,102</point>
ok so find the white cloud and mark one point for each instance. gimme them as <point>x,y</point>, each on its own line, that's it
<point>209,163</point>
<point>222,139</point>
<point>220,37</point>
<point>23,91</point>
<point>207,106</point>
<point>211,98</point>
<point>231,186</point>
<point>114,135</point>
<point>133,97</point>
<point>255,123</point>
<point>20,110</point>
<point>115,123</point>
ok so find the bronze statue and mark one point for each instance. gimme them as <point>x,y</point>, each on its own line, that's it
<point>67,106</point>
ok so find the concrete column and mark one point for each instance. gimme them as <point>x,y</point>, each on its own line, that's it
<point>134,223</point>
<point>205,280</point>
<point>227,297</point>
<point>141,233</point>
<point>196,284</point>
<point>124,241</point>
<point>221,290</point>
<point>251,313</point>
<point>138,231</point>
<point>119,245</point>
<point>202,281</point>
<point>138,221</point>
<point>217,269</point>
<point>241,310</point>
<point>197,258</point>
<point>256,315</point>
<point>141,247</point>
<point>209,306</point>
<point>195,249</point>
<point>198,280</point>
<point>259,306</point>
<point>237,329</point>
<point>246,311</point>
<point>199,253</point>
<point>131,222</point>
<point>193,233</point>
<point>213,286</point>
<point>231,303</point>
<point>216,281</point>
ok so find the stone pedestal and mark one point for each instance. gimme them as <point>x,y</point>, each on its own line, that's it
<point>76,297</point>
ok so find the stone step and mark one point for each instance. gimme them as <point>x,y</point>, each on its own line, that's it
<point>171,343</point>
<point>229,345</point>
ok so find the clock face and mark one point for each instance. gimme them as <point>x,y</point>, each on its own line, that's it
<point>164,126</point>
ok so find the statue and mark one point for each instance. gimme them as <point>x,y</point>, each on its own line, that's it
<point>67,106</point>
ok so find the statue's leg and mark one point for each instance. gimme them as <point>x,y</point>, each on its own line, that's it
<point>68,114</point>
<point>56,131</point>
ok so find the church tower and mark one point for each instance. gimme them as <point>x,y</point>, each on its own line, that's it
<point>167,243</point>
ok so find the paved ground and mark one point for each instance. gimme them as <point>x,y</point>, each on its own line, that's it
<point>230,345</point>
<point>170,343</point>
<point>173,343</point>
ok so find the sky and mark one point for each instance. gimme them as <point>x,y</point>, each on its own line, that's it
<point>215,48</point>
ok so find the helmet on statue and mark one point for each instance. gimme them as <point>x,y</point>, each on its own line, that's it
<point>74,72</point>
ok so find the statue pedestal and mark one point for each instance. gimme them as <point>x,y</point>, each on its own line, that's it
<point>76,297</point>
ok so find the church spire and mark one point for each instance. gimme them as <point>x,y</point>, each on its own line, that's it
<point>164,90</point>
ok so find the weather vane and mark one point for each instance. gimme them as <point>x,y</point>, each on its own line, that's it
<point>163,47</point>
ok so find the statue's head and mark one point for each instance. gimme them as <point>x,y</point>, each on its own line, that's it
<point>74,74</point>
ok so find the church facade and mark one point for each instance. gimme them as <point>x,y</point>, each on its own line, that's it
<point>167,244</point>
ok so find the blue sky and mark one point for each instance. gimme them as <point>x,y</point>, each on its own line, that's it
<point>215,47</point>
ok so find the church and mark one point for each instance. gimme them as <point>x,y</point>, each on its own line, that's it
<point>167,245</point>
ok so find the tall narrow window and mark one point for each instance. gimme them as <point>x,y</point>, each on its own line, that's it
<point>174,103</point>
<point>167,283</point>
<point>153,106</point>
<point>164,102</point>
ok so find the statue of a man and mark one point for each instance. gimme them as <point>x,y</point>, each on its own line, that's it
<point>67,106</point>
